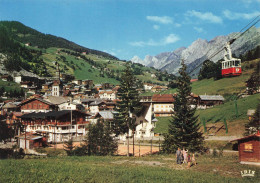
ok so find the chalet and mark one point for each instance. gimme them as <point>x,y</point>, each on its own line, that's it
<point>9,108</point>
<point>77,82</point>
<point>249,149</point>
<point>107,86</point>
<point>32,141</point>
<point>206,101</point>
<point>162,104</point>
<point>13,118</point>
<point>107,94</point>
<point>47,86</point>
<point>71,106</point>
<point>98,87</point>
<point>95,107</point>
<point>148,86</point>
<point>56,126</point>
<point>6,77</point>
<point>36,105</point>
<point>158,88</point>
<point>146,124</point>
<point>88,83</point>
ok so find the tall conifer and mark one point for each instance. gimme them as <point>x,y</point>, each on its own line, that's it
<point>128,106</point>
<point>183,128</point>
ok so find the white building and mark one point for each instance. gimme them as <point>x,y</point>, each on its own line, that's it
<point>107,94</point>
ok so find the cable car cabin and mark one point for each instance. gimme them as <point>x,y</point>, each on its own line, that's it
<point>230,66</point>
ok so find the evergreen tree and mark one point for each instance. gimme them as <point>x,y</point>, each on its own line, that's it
<point>183,128</point>
<point>5,131</point>
<point>68,147</point>
<point>128,106</point>
<point>207,71</point>
<point>254,124</point>
<point>100,140</point>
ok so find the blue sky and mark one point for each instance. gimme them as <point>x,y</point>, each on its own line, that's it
<point>126,28</point>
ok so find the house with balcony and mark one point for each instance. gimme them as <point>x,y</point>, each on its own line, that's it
<point>162,104</point>
<point>57,126</point>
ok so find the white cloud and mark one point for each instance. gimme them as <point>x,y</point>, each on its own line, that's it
<point>156,27</point>
<point>207,16</point>
<point>171,38</point>
<point>199,29</point>
<point>162,20</point>
<point>177,25</point>
<point>234,15</point>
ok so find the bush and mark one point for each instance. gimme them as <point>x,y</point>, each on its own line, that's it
<point>18,154</point>
<point>214,153</point>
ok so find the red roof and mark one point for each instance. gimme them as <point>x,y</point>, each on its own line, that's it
<point>254,135</point>
<point>163,98</point>
<point>193,80</point>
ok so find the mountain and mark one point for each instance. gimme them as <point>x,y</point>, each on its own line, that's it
<point>25,34</point>
<point>44,51</point>
<point>200,50</point>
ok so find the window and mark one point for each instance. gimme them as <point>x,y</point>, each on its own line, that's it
<point>248,147</point>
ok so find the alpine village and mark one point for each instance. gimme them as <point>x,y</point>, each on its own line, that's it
<point>74,114</point>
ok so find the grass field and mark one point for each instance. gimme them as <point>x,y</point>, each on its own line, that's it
<point>157,168</point>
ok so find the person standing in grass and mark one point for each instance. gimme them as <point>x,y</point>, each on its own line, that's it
<point>178,155</point>
<point>189,161</point>
<point>193,159</point>
<point>184,153</point>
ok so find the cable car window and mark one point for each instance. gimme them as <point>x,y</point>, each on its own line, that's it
<point>237,63</point>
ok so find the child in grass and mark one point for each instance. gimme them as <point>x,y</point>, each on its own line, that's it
<point>189,161</point>
<point>193,159</point>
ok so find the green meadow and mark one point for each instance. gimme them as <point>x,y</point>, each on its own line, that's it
<point>157,168</point>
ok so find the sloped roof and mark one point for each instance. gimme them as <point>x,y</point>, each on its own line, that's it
<point>163,98</point>
<point>211,97</point>
<point>57,100</point>
<point>31,99</point>
<point>9,105</point>
<point>106,114</point>
<point>254,135</point>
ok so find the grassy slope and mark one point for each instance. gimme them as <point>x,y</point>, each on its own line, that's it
<point>122,169</point>
<point>218,113</point>
<point>82,72</point>
<point>9,85</point>
<point>226,87</point>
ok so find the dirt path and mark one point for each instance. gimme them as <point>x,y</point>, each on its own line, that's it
<point>122,149</point>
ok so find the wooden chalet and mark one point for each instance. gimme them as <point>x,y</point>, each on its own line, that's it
<point>162,104</point>
<point>36,105</point>
<point>30,141</point>
<point>249,149</point>
<point>56,126</point>
<point>206,101</point>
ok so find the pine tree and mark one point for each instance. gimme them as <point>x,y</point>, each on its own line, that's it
<point>183,128</point>
<point>128,106</point>
<point>68,147</point>
<point>100,140</point>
